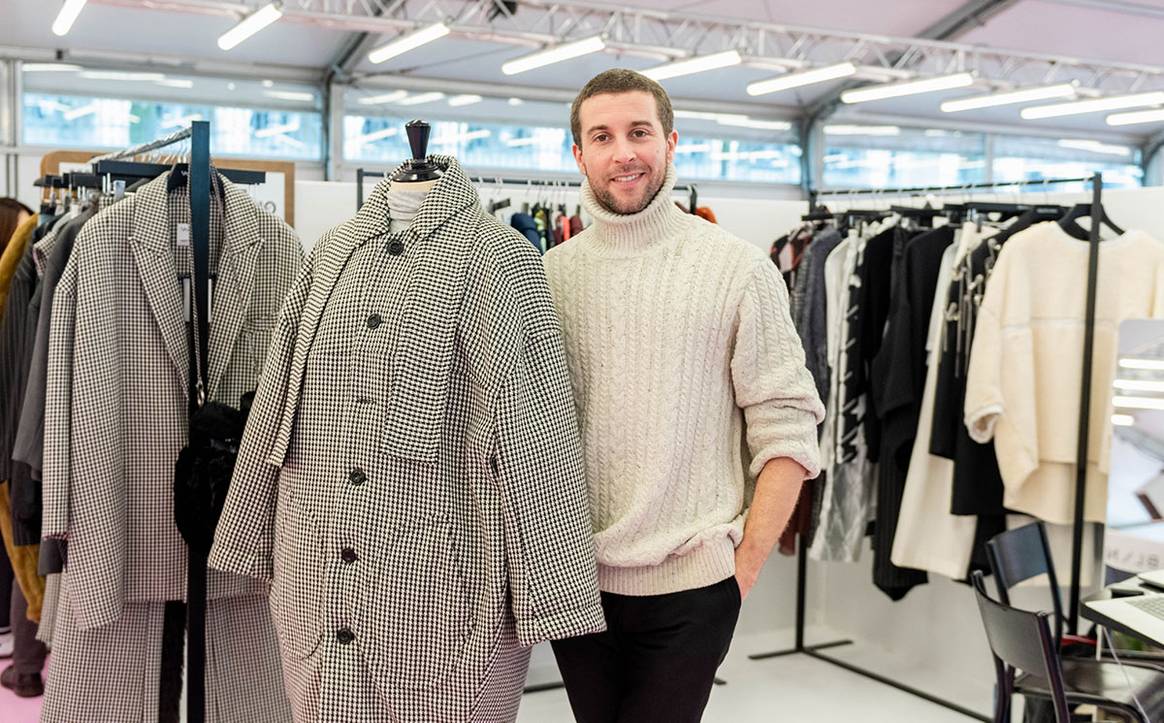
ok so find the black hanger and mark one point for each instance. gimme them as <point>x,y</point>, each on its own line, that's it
<point>418,168</point>
<point>692,198</point>
<point>1070,222</point>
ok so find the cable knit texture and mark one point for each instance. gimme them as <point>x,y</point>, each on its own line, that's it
<point>681,349</point>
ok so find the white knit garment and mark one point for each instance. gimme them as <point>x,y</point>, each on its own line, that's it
<point>403,203</point>
<point>679,340</point>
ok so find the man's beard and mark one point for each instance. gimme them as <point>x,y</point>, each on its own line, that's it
<point>607,200</point>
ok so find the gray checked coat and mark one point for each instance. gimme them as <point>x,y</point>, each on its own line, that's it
<point>116,410</point>
<point>411,477</point>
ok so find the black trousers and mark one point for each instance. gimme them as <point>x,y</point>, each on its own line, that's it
<point>657,660</point>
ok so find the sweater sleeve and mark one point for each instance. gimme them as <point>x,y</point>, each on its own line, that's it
<point>772,385</point>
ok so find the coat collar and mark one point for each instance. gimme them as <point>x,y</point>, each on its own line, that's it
<point>154,254</point>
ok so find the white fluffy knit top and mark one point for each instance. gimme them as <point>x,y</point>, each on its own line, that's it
<point>688,377</point>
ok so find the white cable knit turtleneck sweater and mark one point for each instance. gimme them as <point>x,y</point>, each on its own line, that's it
<point>680,344</point>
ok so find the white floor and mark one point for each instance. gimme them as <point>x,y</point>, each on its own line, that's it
<point>797,687</point>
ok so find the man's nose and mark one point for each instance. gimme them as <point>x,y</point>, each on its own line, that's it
<point>624,151</point>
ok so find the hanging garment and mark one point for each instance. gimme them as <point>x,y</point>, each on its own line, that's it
<point>528,227</point>
<point>117,414</point>
<point>848,492</point>
<point>1026,361</point>
<point>411,479</point>
<point>812,323</point>
<point>898,383</point>
<point>13,251</point>
<point>16,333</point>
<point>928,537</point>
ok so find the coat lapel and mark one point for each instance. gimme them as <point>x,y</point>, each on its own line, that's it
<point>154,256</point>
<point>235,283</point>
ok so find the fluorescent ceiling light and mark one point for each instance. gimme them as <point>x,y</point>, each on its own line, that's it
<point>796,80</point>
<point>913,87</point>
<point>67,16</point>
<point>1138,402</point>
<point>276,130</point>
<point>1010,97</point>
<point>375,136</point>
<point>858,130</point>
<point>411,41</point>
<point>268,83</point>
<point>1123,420</point>
<point>420,98</point>
<point>700,115</point>
<point>118,75</point>
<point>518,142</point>
<point>744,121</point>
<point>1085,144</point>
<point>49,68</point>
<point>1138,385</point>
<point>74,113</point>
<point>1139,116</point>
<point>459,100</point>
<point>250,25</point>
<point>689,66</point>
<point>290,95</point>
<point>392,97</point>
<point>516,101</point>
<point>1155,365</point>
<point>1094,105</point>
<point>554,54</point>
<point>176,83</point>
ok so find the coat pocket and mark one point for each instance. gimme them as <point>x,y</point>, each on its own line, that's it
<point>416,609</point>
<point>297,587</point>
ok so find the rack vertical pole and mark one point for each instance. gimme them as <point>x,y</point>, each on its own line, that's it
<point>199,183</point>
<point>1085,403</point>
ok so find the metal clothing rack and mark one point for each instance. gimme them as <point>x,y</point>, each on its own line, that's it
<point>813,651</point>
<point>361,174</point>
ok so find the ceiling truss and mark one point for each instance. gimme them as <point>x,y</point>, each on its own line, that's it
<point>667,35</point>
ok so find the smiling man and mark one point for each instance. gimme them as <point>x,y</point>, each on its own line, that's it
<point>680,349</point>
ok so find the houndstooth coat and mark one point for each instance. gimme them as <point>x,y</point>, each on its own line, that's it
<point>411,476</point>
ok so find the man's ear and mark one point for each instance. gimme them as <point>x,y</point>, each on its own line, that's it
<point>578,158</point>
<point>672,141</point>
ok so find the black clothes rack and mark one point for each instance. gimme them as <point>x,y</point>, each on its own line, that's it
<point>799,646</point>
<point>362,173</point>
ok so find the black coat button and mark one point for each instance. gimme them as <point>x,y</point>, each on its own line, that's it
<point>357,477</point>
<point>344,636</point>
<point>374,321</point>
<point>396,248</point>
<point>348,555</point>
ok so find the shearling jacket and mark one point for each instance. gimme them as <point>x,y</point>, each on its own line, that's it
<point>411,477</point>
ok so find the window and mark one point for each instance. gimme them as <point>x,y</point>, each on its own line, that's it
<point>533,137</point>
<point>871,156</point>
<point>70,121</point>
<point>1019,158</point>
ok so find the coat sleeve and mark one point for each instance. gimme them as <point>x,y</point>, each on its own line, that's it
<point>772,385</point>
<point>244,539</point>
<point>540,471</point>
<point>59,408</point>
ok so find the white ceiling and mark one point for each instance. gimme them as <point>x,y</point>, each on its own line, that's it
<point>1127,32</point>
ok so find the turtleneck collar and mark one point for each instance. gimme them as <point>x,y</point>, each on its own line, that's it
<point>618,234</point>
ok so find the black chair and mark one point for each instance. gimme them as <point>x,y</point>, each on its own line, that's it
<point>1022,640</point>
<point>1023,553</point>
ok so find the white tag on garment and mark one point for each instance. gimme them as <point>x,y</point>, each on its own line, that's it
<point>183,234</point>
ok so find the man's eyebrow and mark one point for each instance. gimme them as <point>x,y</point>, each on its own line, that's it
<point>604,127</point>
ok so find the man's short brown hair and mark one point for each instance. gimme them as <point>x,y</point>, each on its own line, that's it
<point>622,80</point>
